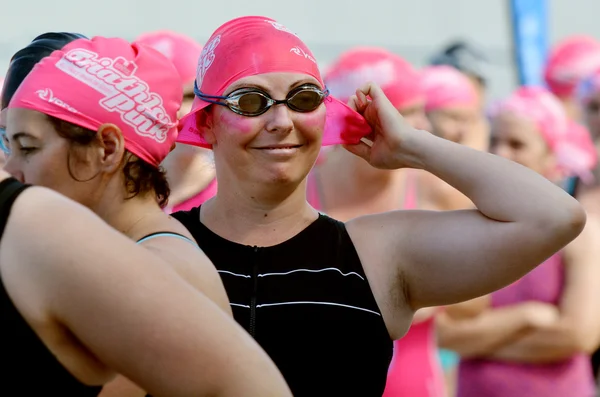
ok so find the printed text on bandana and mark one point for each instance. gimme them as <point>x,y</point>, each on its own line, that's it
<point>123,92</point>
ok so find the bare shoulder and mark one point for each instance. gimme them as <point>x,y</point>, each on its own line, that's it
<point>188,260</point>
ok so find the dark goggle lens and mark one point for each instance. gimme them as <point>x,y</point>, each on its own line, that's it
<point>252,102</point>
<point>305,100</point>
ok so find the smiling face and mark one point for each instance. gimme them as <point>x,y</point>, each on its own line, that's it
<point>279,146</point>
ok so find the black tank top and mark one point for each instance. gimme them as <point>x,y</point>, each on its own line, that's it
<point>308,303</point>
<point>29,368</point>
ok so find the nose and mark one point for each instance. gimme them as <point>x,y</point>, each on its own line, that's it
<point>279,119</point>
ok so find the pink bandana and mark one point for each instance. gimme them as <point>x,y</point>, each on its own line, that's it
<point>446,87</point>
<point>570,61</point>
<point>398,79</point>
<point>253,45</point>
<point>182,50</point>
<point>94,82</point>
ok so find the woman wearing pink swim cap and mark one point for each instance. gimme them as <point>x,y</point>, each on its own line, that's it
<point>452,106</point>
<point>571,60</point>
<point>92,120</point>
<point>533,338</point>
<point>453,109</point>
<point>326,298</point>
<point>190,170</point>
<point>588,96</point>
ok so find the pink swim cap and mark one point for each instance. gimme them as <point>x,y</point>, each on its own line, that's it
<point>182,50</point>
<point>254,45</point>
<point>589,87</point>
<point>570,61</point>
<point>94,82</point>
<point>398,79</point>
<point>570,142</point>
<point>446,87</point>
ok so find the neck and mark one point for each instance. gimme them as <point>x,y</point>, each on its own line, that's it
<point>189,171</point>
<point>129,216</point>
<point>254,215</point>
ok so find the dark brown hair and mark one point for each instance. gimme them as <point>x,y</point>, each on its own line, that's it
<point>140,177</point>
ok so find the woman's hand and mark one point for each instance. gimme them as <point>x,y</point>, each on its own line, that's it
<point>388,146</point>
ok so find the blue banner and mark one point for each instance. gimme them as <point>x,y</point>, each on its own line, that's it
<point>530,39</point>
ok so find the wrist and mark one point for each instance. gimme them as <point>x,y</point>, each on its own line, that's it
<point>414,149</point>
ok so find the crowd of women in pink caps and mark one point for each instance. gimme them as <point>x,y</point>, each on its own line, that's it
<point>530,329</point>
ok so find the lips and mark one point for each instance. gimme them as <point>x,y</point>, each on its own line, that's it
<point>279,146</point>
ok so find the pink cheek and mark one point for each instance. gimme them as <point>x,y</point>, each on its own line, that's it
<point>313,120</point>
<point>236,123</point>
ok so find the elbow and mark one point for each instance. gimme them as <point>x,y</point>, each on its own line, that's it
<point>577,341</point>
<point>585,345</point>
<point>565,223</point>
<point>573,220</point>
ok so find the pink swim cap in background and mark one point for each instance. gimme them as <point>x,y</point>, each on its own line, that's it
<point>569,62</point>
<point>446,87</point>
<point>182,50</point>
<point>94,82</point>
<point>589,87</point>
<point>570,142</point>
<point>354,68</point>
<point>254,45</point>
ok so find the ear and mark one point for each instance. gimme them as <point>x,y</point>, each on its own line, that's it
<point>112,146</point>
<point>205,123</point>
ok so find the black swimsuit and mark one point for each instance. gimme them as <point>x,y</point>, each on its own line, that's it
<point>308,303</point>
<point>29,368</point>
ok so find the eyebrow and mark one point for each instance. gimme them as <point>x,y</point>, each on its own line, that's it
<point>22,135</point>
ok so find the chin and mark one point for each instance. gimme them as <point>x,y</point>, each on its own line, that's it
<point>284,174</point>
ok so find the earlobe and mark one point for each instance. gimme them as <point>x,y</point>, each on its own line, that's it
<point>112,146</point>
